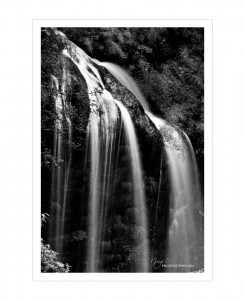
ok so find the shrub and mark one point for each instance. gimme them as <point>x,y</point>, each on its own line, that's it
<point>49,260</point>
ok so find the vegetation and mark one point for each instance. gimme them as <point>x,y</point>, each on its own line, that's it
<point>50,262</point>
<point>49,258</point>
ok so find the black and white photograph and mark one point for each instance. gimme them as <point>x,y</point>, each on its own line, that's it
<point>122,149</point>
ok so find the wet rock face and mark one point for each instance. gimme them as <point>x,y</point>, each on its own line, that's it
<point>149,138</point>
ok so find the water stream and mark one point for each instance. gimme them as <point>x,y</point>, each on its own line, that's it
<point>107,115</point>
<point>62,152</point>
<point>102,133</point>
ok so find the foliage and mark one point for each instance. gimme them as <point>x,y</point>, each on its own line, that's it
<point>49,160</point>
<point>49,260</point>
<point>44,219</point>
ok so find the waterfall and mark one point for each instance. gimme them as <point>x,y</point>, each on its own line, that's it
<point>62,152</point>
<point>102,131</point>
<point>111,145</point>
<point>139,195</point>
<point>185,190</point>
<point>182,229</point>
<point>126,80</point>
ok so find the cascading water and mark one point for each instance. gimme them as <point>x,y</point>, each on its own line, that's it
<point>183,240</point>
<point>112,145</point>
<point>139,195</point>
<point>102,135</point>
<point>62,151</point>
